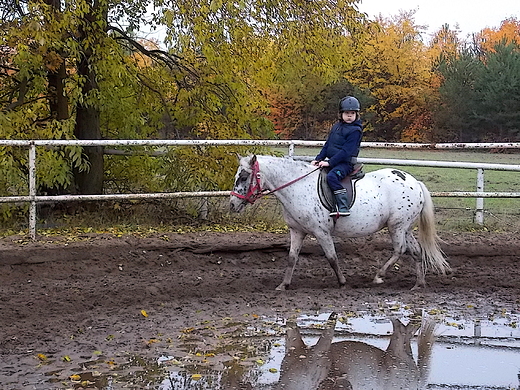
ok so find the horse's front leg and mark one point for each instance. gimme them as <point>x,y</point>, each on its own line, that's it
<point>297,238</point>
<point>327,244</point>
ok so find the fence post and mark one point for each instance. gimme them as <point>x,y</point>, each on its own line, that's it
<point>32,190</point>
<point>479,208</point>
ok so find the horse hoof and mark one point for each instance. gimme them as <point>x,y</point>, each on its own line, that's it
<point>417,287</point>
<point>281,287</point>
<point>378,280</point>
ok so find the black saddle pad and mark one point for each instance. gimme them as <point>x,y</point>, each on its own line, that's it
<point>327,198</point>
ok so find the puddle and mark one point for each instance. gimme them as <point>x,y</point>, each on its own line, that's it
<point>429,350</point>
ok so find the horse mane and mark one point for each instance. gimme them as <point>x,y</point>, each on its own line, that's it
<point>285,160</point>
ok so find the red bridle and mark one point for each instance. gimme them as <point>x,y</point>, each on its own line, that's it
<point>255,191</point>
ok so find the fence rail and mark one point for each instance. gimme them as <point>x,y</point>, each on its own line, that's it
<point>34,199</point>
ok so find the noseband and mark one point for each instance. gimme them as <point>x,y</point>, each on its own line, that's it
<point>255,190</point>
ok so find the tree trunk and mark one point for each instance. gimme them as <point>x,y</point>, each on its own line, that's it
<point>58,102</point>
<point>88,128</point>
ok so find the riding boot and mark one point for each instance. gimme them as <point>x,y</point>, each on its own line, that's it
<point>342,209</point>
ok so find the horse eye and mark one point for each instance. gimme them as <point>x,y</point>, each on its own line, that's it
<point>242,178</point>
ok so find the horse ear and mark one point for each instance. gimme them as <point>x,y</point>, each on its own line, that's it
<point>253,159</point>
<point>239,157</point>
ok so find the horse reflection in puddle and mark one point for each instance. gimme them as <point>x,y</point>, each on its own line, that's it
<point>356,365</point>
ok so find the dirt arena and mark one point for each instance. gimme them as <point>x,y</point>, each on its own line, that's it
<point>64,302</point>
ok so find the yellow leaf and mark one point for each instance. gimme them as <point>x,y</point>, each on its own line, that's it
<point>66,358</point>
<point>260,361</point>
<point>42,357</point>
<point>75,377</point>
<point>196,377</point>
<point>144,313</point>
<point>273,370</point>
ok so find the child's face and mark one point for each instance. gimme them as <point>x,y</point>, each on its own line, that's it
<point>348,116</point>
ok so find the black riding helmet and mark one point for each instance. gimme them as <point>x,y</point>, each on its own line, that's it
<point>349,103</point>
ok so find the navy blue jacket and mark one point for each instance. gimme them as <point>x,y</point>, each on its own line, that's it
<point>342,143</point>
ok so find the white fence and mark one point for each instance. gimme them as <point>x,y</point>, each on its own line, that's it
<point>34,199</point>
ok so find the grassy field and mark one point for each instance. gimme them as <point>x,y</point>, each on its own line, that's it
<point>452,212</point>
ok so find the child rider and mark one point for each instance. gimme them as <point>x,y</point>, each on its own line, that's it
<point>341,149</point>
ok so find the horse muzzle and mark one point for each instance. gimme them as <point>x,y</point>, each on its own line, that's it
<point>236,204</point>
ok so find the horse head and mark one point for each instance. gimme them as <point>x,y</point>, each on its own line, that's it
<point>247,187</point>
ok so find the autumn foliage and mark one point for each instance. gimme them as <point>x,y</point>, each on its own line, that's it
<point>235,69</point>
<point>508,32</point>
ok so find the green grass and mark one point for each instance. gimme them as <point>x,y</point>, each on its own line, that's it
<point>500,213</point>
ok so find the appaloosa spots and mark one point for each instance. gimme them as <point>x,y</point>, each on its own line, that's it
<point>400,174</point>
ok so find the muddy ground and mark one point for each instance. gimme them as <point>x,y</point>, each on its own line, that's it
<point>65,304</point>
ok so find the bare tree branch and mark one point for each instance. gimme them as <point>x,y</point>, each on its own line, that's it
<point>172,61</point>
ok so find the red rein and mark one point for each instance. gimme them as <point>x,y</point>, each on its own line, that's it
<point>255,191</point>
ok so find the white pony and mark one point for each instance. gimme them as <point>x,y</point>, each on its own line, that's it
<point>387,197</point>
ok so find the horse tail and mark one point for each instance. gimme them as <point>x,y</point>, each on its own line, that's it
<point>432,256</point>
<point>425,341</point>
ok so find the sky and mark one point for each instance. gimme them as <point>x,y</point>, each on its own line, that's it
<point>470,15</point>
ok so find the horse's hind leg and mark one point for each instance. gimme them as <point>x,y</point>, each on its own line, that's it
<point>415,251</point>
<point>327,244</point>
<point>404,241</point>
<point>399,245</point>
<point>297,238</point>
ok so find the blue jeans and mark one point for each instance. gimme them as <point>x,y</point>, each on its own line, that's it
<point>338,173</point>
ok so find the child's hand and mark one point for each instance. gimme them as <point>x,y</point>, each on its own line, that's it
<point>323,164</point>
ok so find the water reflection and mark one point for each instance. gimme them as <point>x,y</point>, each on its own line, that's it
<point>399,350</point>
<point>384,350</point>
<point>353,364</point>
